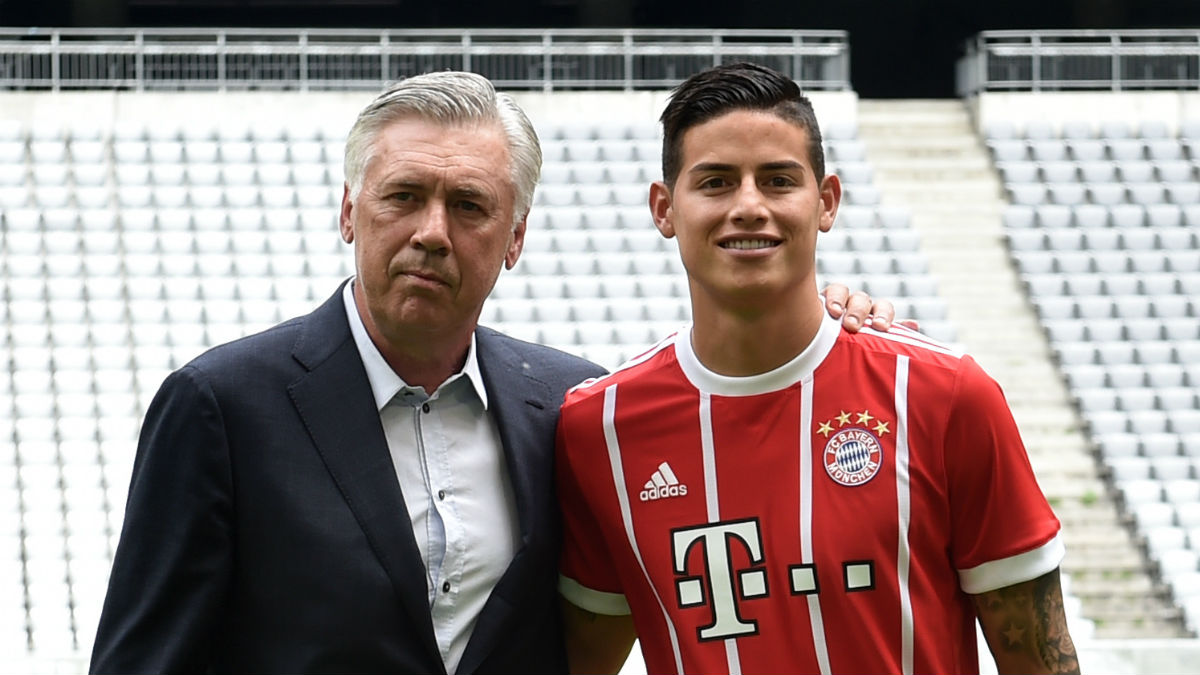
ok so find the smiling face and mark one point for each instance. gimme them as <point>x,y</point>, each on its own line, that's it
<point>746,208</point>
<point>431,226</point>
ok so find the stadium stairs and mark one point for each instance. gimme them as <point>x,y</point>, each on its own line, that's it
<point>928,157</point>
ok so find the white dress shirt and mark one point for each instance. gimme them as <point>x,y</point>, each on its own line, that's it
<point>450,464</point>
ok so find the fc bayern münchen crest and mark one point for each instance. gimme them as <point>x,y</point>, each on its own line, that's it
<point>853,456</point>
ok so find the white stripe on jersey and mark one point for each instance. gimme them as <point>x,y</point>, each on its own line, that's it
<point>644,356</point>
<point>806,547</point>
<point>618,472</point>
<point>708,453</point>
<point>712,503</point>
<point>908,337</point>
<point>904,507</point>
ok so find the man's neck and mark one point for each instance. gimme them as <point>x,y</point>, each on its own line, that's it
<point>422,360</point>
<point>427,370</point>
<point>740,343</point>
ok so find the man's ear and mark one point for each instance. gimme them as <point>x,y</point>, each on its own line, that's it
<point>345,219</point>
<point>660,208</point>
<point>831,197</point>
<point>516,245</point>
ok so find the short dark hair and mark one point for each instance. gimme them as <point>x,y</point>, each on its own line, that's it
<point>736,86</point>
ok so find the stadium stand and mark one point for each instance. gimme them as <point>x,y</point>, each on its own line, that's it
<point>1114,279</point>
<point>133,241</point>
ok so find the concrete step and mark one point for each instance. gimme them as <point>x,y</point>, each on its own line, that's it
<point>887,162</point>
<point>1106,542</point>
<point>895,141</point>
<point>1063,466</point>
<point>931,174</point>
<point>1099,513</point>
<point>1085,586</point>
<point>1140,628</point>
<point>1112,565</point>
<point>915,128</point>
<point>885,113</point>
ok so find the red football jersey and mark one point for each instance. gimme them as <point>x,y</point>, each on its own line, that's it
<point>828,516</point>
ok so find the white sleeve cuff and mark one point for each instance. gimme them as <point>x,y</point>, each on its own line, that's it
<point>610,604</point>
<point>1013,570</point>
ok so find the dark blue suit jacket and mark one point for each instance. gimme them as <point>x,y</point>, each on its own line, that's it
<point>265,529</point>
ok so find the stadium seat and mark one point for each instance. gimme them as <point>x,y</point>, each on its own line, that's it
<point>1115,129</point>
<point>1087,150</point>
<point>1015,216</point>
<point>1048,150</point>
<point>1090,216</point>
<point>1164,149</point>
<point>1058,172</point>
<point>1107,194</point>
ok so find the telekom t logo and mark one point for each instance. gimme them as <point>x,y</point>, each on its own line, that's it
<point>716,541</point>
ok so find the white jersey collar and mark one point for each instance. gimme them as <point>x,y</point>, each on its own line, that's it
<point>780,378</point>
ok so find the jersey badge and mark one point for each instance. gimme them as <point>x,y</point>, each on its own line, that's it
<point>853,453</point>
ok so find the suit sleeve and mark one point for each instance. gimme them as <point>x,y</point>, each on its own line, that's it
<point>1004,530</point>
<point>173,564</point>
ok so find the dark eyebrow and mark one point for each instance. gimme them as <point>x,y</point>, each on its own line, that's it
<point>785,165</point>
<point>706,167</point>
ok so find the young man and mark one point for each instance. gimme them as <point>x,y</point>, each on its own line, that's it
<point>767,493</point>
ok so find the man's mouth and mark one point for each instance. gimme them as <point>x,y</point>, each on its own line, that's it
<point>749,244</point>
<point>424,275</point>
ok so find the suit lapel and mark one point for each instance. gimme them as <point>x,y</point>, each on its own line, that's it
<point>334,399</point>
<point>525,415</point>
<point>521,406</point>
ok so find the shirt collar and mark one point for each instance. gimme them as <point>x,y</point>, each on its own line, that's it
<point>782,377</point>
<point>385,383</point>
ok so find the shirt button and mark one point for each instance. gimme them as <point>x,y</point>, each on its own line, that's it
<point>441,494</point>
<point>446,587</point>
<point>424,407</point>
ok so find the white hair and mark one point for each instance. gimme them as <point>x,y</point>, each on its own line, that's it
<point>449,98</point>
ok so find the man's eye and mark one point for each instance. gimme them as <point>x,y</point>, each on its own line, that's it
<point>403,196</point>
<point>468,206</point>
<point>714,182</point>
<point>781,181</point>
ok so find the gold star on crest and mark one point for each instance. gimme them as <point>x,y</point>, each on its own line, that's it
<point>825,429</point>
<point>881,428</point>
<point>843,419</point>
<point>865,417</point>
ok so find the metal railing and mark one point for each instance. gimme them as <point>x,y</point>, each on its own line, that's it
<point>341,59</point>
<point>1080,60</point>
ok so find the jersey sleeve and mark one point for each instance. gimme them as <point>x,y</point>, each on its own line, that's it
<point>587,575</point>
<point>1004,531</point>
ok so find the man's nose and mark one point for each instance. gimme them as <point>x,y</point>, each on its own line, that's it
<point>433,229</point>
<point>749,205</point>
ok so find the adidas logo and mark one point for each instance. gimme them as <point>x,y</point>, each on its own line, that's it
<point>662,484</point>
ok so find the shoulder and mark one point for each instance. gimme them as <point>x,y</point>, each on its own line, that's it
<point>556,368</point>
<point>273,344</point>
<point>932,366</point>
<point>647,366</point>
<point>257,362</point>
<point>901,341</point>
<point>916,348</point>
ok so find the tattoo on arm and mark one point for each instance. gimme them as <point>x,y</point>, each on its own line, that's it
<point>1028,621</point>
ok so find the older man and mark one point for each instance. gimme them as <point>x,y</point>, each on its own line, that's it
<point>366,488</point>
